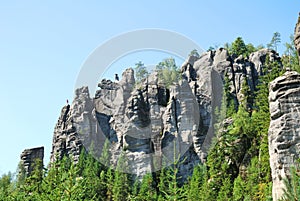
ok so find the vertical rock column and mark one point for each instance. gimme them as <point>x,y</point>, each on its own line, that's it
<point>284,130</point>
<point>297,36</point>
<point>29,157</point>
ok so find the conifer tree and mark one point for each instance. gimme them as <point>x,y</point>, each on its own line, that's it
<point>147,189</point>
<point>120,190</point>
<point>195,183</point>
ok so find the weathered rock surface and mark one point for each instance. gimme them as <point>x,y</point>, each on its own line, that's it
<point>284,131</point>
<point>206,76</point>
<point>146,122</point>
<point>297,36</point>
<point>76,124</point>
<point>29,158</point>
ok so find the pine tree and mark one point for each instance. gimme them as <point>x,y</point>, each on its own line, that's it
<point>195,183</point>
<point>275,41</point>
<point>109,178</point>
<point>147,189</point>
<point>238,47</point>
<point>120,190</point>
<point>238,189</point>
<point>290,58</point>
<point>292,186</point>
<point>91,178</point>
<point>225,192</point>
<point>140,72</point>
<point>6,187</point>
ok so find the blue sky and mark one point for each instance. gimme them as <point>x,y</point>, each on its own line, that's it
<point>44,44</point>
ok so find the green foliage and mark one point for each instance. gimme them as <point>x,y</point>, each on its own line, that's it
<point>195,182</point>
<point>146,189</point>
<point>194,53</point>
<point>168,186</point>
<point>168,72</point>
<point>6,187</point>
<point>238,47</point>
<point>237,166</point>
<point>274,41</point>
<point>141,72</point>
<point>225,192</point>
<point>239,191</point>
<point>292,186</point>
<point>120,188</point>
<point>290,58</point>
<point>105,154</point>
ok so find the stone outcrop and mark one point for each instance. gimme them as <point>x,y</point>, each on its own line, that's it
<point>29,158</point>
<point>284,130</point>
<point>206,76</point>
<point>297,36</point>
<point>284,138</point>
<point>76,123</point>
<point>148,123</point>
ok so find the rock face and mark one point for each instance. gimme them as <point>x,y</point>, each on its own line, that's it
<point>150,124</point>
<point>75,124</point>
<point>284,131</point>
<point>297,36</point>
<point>29,157</point>
<point>206,76</point>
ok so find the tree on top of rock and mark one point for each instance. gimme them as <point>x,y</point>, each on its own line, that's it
<point>239,47</point>
<point>275,41</point>
<point>194,53</point>
<point>140,71</point>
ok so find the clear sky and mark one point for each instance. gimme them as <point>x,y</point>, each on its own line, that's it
<point>44,44</point>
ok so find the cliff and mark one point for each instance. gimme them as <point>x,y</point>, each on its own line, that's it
<point>284,130</point>
<point>150,124</point>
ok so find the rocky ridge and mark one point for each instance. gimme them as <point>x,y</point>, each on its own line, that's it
<point>145,122</point>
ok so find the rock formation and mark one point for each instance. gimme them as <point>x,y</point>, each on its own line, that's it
<point>297,36</point>
<point>74,124</point>
<point>284,138</point>
<point>148,123</point>
<point>29,158</point>
<point>284,130</point>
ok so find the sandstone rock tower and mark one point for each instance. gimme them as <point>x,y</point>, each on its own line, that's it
<point>29,157</point>
<point>284,130</point>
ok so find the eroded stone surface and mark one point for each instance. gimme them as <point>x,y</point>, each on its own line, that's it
<point>297,36</point>
<point>143,122</point>
<point>29,158</point>
<point>284,130</point>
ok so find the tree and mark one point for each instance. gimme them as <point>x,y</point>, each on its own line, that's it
<point>194,53</point>
<point>238,47</point>
<point>239,189</point>
<point>290,58</point>
<point>274,41</point>
<point>120,190</point>
<point>6,187</point>
<point>109,178</point>
<point>195,183</point>
<point>140,72</point>
<point>250,48</point>
<point>292,186</point>
<point>105,154</point>
<point>168,72</point>
<point>147,189</point>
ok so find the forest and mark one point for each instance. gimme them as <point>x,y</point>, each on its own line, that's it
<point>217,179</point>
